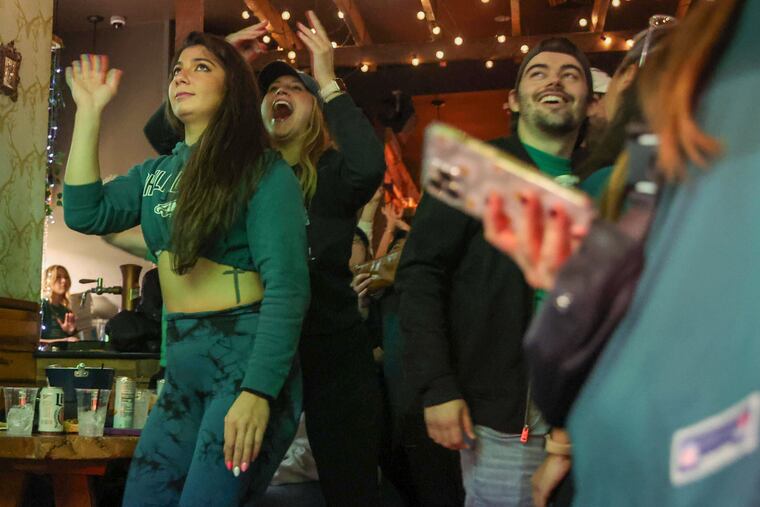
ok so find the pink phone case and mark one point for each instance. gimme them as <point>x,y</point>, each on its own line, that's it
<point>463,171</point>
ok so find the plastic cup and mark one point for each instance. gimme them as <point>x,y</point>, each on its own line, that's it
<point>92,407</point>
<point>142,406</point>
<point>19,409</point>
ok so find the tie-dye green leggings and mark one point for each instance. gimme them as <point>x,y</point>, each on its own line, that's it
<point>179,459</point>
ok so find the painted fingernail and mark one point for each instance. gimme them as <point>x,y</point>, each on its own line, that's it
<point>244,467</point>
<point>236,471</point>
<point>229,465</point>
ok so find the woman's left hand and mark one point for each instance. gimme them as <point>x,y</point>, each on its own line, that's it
<point>320,48</point>
<point>68,324</point>
<point>244,427</point>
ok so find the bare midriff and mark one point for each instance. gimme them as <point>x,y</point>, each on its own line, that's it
<point>208,286</point>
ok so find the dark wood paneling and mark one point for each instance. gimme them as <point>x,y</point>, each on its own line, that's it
<point>19,335</point>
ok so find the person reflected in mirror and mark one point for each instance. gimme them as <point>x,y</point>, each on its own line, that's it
<point>59,324</point>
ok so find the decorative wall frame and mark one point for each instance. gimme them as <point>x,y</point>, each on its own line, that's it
<point>10,64</point>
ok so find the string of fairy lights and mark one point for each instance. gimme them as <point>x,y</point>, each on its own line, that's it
<point>437,34</point>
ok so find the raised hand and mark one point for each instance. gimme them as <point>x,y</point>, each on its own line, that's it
<point>92,84</point>
<point>69,323</point>
<point>320,48</point>
<point>247,42</point>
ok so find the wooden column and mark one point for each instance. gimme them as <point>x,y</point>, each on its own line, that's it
<point>188,16</point>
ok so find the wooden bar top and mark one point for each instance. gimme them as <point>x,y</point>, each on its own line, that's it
<point>66,447</point>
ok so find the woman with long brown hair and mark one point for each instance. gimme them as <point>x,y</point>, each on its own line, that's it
<point>224,217</point>
<point>339,162</point>
<point>670,415</point>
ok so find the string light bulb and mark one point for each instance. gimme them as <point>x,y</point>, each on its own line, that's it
<point>616,3</point>
<point>501,38</point>
<point>286,15</point>
<point>458,40</point>
<point>420,15</point>
<point>607,40</point>
<point>439,54</point>
<point>629,43</point>
<point>415,61</point>
<point>436,30</point>
<point>524,49</point>
<point>334,44</point>
<point>291,55</point>
<point>266,39</point>
<point>246,14</point>
<point>583,22</point>
<point>340,14</point>
<point>364,67</point>
<point>489,64</point>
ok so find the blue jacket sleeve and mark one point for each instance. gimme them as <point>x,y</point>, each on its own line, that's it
<point>276,225</point>
<point>97,208</point>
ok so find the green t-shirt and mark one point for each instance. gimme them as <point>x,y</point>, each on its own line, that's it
<point>562,171</point>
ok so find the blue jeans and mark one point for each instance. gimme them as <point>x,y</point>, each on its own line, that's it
<point>496,471</point>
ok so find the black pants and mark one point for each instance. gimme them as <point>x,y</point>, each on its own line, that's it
<point>342,406</point>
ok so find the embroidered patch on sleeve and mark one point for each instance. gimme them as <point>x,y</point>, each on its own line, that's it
<point>705,447</point>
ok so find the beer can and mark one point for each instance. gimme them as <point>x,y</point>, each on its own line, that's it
<point>124,402</point>
<point>160,386</point>
<point>51,410</point>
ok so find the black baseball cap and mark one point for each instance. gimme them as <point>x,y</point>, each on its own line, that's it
<point>558,45</point>
<point>279,68</point>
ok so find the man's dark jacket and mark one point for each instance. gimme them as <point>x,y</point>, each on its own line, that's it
<point>464,309</point>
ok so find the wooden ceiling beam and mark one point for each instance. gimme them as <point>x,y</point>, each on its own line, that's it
<point>355,21</point>
<point>280,30</point>
<point>427,8</point>
<point>514,14</point>
<point>683,7</point>
<point>599,15</point>
<point>402,53</point>
<point>188,17</point>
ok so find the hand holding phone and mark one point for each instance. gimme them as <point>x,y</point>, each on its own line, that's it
<point>463,172</point>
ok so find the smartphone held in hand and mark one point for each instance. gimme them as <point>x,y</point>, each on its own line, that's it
<point>463,172</point>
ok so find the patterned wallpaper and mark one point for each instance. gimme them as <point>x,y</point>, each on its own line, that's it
<point>23,132</point>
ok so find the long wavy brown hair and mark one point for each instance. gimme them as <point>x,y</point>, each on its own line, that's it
<point>685,64</point>
<point>226,163</point>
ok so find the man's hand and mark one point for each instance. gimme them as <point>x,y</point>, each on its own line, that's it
<point>548,476</point>
<point>448,423</point>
